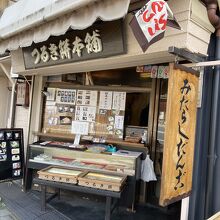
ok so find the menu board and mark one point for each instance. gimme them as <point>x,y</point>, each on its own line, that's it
<point>73,111</point>
<point>11,154</point>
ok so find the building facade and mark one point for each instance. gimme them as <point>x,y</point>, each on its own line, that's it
<point>15,37</point>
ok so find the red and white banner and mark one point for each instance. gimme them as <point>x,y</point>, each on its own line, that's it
<point>150,22</point>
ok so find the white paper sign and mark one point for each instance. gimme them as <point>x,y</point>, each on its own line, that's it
<point>21,91</point>
<point>105,100</point>
<point>87,97</point>
<point>85,113</point>
<point>153,18</point>
<point>119,99</point>
<point>80,128</point>
<point>51,94</point>
<point>66,96</point>
<point>77,139</point>
<point>119,122</point>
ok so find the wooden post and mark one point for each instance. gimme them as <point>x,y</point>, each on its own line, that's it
<point>3,5</point>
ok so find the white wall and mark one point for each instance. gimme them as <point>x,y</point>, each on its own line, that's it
<point>21,121</point>
<point>21,113</point>
<point>5,97</point>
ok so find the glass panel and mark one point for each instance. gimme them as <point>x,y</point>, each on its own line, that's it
<point>85,160</point>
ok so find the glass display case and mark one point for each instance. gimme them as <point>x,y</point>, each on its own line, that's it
<point>67,157</point>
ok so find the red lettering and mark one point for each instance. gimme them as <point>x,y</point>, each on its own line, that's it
<point>149,16</point>
<point>147,19</point>
<point>163,22</point>
<point>150,30</point>
<point>157,6</point>
<point>156,28</point>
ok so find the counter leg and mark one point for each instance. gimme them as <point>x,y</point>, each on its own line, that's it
<point>58,193</point>
<point>43,198</point>
<point>108,208</point>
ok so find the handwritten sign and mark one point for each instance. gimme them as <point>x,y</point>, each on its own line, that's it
<point>179,136</point>
<point>77,45</point>
<point>150,22</point>
<point>153,18</point>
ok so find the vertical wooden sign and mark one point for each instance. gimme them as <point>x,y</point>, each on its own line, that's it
<point>179,135</point>
<point>3,4</point>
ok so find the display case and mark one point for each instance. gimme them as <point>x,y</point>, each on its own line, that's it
<point>41,156</point>
<point>68,157</point>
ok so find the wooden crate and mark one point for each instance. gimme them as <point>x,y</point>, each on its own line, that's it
<point>102,181</point>
<point>60,174</point>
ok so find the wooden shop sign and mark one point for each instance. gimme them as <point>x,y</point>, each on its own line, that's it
<point>179,135</point>
<point>98,41</point>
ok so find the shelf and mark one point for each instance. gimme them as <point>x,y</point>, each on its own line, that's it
<point>121,88</point>
<point>66,137</point>
<point>43,164</point>
<point>70,137</point>
<point>126,143</point>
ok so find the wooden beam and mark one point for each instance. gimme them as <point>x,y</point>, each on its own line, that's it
<point>7,70</point>
<point>70,137</point>
<point>187,55</point>
<point>128,89</point>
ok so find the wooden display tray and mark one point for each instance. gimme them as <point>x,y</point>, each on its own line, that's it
<point>60,174</point>
<point>102,181</point>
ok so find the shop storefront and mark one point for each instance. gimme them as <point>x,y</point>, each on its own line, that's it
<point>94,87</point>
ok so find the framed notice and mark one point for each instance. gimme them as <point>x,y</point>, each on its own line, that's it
<point>22,94</point>
<point>11,154</point>
<point>179,135</point>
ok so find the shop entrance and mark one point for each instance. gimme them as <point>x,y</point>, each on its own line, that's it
<point>141,130</point>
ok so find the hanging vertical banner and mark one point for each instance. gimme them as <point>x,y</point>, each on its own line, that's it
<point>150,22</point>
<point>179,135</point>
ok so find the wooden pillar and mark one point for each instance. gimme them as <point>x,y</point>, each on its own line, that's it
<point>3,4</point>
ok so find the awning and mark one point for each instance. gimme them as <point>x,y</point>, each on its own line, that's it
<point>35,21</point>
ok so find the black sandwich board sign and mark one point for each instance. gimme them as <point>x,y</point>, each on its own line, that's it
<point>11,154</point>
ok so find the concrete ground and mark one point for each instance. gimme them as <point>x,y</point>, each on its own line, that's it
<point>5,214</point>
<point>85,207</point>
<point>26,206</point>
